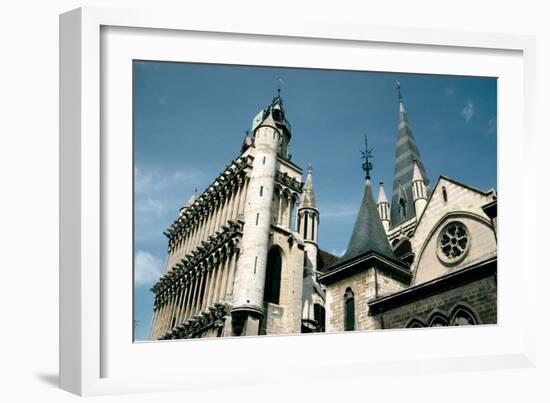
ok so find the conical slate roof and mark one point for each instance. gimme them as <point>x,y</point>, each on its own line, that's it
<point>368,233</point>
<point>308,195</point>
<point>406,154</point>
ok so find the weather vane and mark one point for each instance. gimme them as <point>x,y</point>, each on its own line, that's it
<point>367,155</point>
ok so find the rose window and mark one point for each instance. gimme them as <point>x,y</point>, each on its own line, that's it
<point>454,241</point>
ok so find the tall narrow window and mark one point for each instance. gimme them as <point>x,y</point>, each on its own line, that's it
<point>444,191</point>
<point>263,161</point>
<point>257,218</point>
<point>261,190</point>
<point>349,310</point>
<point>272,287</point>
<point>313,229</point>
<point>319,316</point>
<point>305,225</point>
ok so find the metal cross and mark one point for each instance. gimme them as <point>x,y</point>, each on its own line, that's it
<point>367,155</point>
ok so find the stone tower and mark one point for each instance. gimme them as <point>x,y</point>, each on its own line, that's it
<point>383,207</point>
<point>265,297</point>
<point>419,191</point>
<point>235,264</point>
<point>308,228</point>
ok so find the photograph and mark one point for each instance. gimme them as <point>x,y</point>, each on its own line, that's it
<point>285,201</point>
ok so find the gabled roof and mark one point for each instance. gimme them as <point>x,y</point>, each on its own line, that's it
<point>368,234</point>
<point>455,182</point>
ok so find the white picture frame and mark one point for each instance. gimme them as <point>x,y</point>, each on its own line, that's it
<point>91,358</point>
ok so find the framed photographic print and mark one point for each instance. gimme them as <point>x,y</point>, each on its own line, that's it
<point>288,194</point>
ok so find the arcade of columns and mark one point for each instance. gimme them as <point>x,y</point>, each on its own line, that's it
<point>203,252</point>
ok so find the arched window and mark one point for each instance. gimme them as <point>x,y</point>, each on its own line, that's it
<point>349,310</point>
<point>272,287</point>
<point>444,192</point>
<point>463,317</point>
<point>438,320</point>
<point>415,323</point>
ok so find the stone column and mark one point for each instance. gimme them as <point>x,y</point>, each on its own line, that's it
<point>280,211</point>
<point>217,281</point>
<point>210,288</point>
<point>232,267</point>
<point>186,299</point>
<point>236,198</point>
<point>225,276</point>
<point>198,304</point>
<point>242,201</point>
<point>193,286</point>
<point>289,211</point>
<point>181,306</point>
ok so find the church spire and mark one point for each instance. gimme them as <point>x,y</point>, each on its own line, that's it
<point>368,233</point>
<point>308,196</point>
<point>402,205</point>
<point>308,215</point>
<point>383,207</point>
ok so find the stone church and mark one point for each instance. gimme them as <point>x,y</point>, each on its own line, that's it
<point>243,257</point>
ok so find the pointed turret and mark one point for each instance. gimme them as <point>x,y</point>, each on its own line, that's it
<point>402,205</point>
<point>419,190</point>
<point>277,120</point>
<point>308,215</point>
<point>383,207</point>
<point>368,233</point>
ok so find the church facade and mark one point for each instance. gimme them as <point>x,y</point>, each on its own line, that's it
<point>243,257</point>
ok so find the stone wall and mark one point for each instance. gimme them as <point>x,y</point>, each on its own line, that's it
<point>479,296</point>
<point>363,285</point>
<point>464,205</point>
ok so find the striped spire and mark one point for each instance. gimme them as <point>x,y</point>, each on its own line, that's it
<point>406,153</point>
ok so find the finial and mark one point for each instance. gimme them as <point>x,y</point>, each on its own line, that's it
<point>280,84</point>
<point>398,85</point>
<point>367,155</point>
<point>309,169</point>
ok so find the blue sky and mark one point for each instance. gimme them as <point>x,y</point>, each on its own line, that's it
<point>190,119</point>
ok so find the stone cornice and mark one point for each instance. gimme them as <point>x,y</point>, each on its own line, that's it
<point>288,181</point>
<point>213,317</point>
<point>435,286</point>
<point>362,263</point>
<point>228,180</point>
<point>201,257</point>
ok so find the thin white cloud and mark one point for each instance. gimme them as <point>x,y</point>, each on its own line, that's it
<point>468,111</point>
<point>150,206</point>
<point>147,268</point>
<point>339,211</point>
<point>152,181</point>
